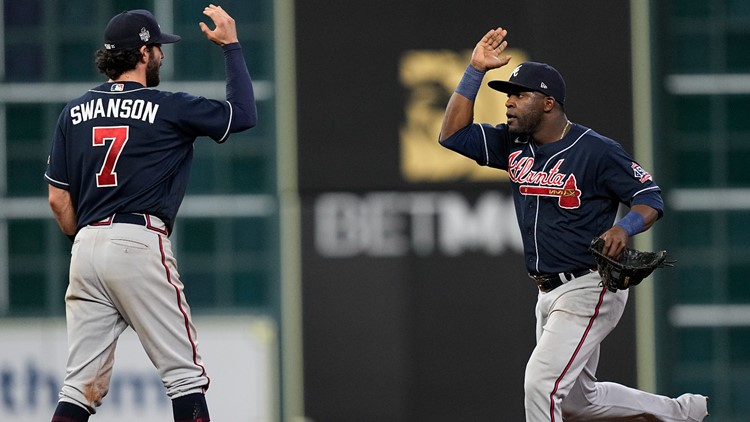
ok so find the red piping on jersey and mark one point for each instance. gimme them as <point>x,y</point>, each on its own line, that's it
<point>572,358</point>
<point>182,310</point>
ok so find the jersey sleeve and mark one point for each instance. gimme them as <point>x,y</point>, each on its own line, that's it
<point>239,91</point>
<point>629,181</point>
<point>218,119</point>
<point>57,163</point>
<point>200,116</point>
<point>483,143</point>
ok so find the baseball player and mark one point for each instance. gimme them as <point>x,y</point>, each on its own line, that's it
<point>567,183</point>
<point>117,173</point>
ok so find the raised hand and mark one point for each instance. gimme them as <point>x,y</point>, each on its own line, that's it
<point>225,31</point>
<point>486,54</point>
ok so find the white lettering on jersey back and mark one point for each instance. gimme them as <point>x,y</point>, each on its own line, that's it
<point>118,108</point>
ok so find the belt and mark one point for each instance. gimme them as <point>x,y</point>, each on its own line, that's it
<point>548,282</point>
<point>138,219</point>
<point>151,222</point>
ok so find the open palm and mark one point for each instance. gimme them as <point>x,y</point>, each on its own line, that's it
<point>486,54</point>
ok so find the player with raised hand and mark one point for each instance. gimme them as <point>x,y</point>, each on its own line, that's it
<point>567,183</point>
<point>117,173</point>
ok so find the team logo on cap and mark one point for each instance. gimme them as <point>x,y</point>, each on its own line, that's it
<point>145,35</point>
<point>515,71</point>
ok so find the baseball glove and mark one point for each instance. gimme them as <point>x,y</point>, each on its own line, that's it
<point>629,269</point>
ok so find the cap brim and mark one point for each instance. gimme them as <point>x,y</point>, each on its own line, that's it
<point>165,38</point>
<point>509,87</point>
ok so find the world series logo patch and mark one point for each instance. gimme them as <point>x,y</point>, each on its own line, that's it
<point>639,173</point>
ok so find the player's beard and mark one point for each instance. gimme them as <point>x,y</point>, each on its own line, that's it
<point>526,124</point>
<point>152,70</point>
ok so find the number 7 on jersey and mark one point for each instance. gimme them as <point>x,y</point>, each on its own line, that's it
<point>118,135</point>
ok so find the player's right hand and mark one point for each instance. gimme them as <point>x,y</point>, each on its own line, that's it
<point>225,31</point>
<point>615,242</point>
<point>486,54</point>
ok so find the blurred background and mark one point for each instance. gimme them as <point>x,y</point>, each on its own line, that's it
<point>343,267</point>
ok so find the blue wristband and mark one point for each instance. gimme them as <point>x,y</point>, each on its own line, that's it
<point>470,83</point>
<point>633,223</point>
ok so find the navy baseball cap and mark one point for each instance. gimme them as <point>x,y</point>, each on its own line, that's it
<point>533,76</point>
<point>134,28</point>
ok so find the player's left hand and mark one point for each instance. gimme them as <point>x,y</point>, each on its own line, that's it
<point>225,31</point>
<point>486,54</point>
<point>615,241</point>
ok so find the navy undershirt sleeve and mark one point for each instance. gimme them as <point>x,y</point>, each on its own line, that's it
<point>239,89</point>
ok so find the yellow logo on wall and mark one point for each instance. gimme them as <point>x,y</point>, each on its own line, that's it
<point>431,76</point>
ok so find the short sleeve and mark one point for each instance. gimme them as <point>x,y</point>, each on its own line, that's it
<point>204,117</point>
<point>483,143</point>
<point>628,181</point>
<point>57,163</point>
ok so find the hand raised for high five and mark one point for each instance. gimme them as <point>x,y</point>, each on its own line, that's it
<point>486,54</point>
<point>225,31</point>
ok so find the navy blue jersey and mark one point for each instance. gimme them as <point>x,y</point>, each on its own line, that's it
<point>566,193</point>
<point>124,148</point>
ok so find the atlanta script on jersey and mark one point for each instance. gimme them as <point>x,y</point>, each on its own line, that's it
<point>565,193</point>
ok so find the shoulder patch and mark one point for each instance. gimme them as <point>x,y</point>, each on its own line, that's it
<point>639,173</point>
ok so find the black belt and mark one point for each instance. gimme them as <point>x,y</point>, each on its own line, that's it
<point>138,219</point>
<point>548,282</point>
